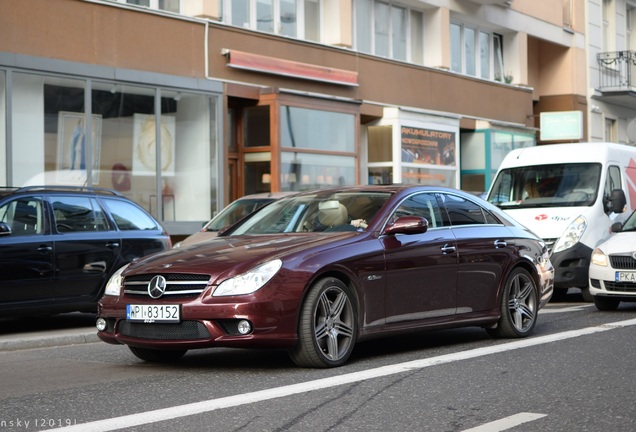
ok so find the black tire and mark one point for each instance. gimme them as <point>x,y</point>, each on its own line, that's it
<point>157,356</point>
<point>518,306</point>
<point>606,303</point>
<point>327,327</point>
<point>587,297</point>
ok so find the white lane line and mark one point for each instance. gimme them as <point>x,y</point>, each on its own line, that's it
<point>549,310</point>
<point>506,423</point>
<point>171,413</point>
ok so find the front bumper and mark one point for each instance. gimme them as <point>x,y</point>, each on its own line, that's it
<point>572,267</point>
<point>202,326</point>
<point>602,282</point>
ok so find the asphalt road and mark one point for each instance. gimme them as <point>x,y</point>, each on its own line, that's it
<point>575,373</point>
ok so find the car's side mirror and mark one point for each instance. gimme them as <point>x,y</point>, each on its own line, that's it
<point>616,201</point>
<point>616,227</point>
<point>5,229</point>
<point>407,225</point>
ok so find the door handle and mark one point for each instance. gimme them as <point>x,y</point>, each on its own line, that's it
<point>112,245</point>
<point>500,243</point>
<point>44,249</point>
<point>448,249</point>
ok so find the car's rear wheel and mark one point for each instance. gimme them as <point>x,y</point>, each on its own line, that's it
<point>327,327</point>
<point>606,304</point>
<point>157,356</point>
<point>518,306</point>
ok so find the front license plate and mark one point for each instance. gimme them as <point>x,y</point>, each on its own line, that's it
<point>153,313</point>
<point>625,276</point>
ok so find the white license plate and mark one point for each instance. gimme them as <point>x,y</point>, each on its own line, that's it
<point>625,277</point>
<point>153,313</point>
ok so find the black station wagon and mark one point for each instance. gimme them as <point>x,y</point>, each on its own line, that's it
<point>60,245</point>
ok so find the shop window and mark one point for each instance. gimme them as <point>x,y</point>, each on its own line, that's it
<point>304,128</point>
<point>258,172</point>
<point>256,126</point>
<point>311,171</point>
<point>3,127</point>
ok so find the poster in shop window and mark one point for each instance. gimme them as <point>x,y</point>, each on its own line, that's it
<point>72,155</point>
<point>145,145</point>
<point>427,146</point>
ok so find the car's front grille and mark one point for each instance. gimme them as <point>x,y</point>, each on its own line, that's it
<point>185,330</point>
<point>177,284</point>
<point>623,262</point>
<point>620,286</point>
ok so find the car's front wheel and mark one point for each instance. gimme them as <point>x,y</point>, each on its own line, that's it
<point>518,306</point>
<point>327,327</point>
<point>157,356</point>
<point>606,304</point>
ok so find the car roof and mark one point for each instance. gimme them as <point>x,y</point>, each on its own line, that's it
<point>48,189</point>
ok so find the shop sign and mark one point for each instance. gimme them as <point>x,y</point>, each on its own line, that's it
<point>427,146</point>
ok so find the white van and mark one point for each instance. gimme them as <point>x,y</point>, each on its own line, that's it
<point>568,194</point>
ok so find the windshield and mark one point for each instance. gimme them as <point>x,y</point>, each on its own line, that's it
<point>557,185</point>
<point>319,212</point>
<point>630,223</point>
<point>234,212</point>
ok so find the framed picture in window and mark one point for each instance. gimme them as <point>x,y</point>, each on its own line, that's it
<point>72,155</point>
<point>145,145</point>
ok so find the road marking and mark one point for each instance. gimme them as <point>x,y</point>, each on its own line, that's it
<point>578,308</point>
<point>506,423</point>
<point>171,413</point>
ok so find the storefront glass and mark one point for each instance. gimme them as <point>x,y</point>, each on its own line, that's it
<point>3,126</point>
<point>312,171</point>
<point>303,128</point>
<point>50,144</point>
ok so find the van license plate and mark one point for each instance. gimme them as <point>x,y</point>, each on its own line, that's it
<point>153,313</point>
<point>625,276</point>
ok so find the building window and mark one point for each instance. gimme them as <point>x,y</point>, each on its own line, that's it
<point>389,30</point>
<point>303,133</point>
<point>283,17</point>
<point>477,52</point>
<point>167,5</point>
<point>631,27</point>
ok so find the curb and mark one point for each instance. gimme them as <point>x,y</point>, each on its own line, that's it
<point>48,339</point>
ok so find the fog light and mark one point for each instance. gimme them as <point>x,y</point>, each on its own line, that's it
<point>244,327</point>
<point>101,324</point>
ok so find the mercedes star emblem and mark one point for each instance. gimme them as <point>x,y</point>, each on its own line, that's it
<point>157,286</point>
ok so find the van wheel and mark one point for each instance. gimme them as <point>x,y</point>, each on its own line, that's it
<point>157,356</point>
<point>587,297</point>
<point>518,306</point>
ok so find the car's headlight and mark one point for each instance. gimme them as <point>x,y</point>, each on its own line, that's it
<point>572,234</point>
<point>599,258</point>
<point>113,287</point>
<point>249,282</point>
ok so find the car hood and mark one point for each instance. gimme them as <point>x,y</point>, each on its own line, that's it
<point>620,243</point>
<point>228,256</point>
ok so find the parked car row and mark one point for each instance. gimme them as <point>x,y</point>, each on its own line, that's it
<point>60,245</point>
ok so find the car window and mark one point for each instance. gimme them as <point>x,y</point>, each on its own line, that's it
<point>25,216</point>
<point>424,205</point>
<point>128,216</point>
<point>465,212</point>
<point>78,214</point>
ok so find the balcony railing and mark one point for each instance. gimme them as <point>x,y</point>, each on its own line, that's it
<point>617,71</point>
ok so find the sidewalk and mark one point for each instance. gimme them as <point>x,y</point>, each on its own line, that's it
<point>47,331</point>
<point>48,338</point>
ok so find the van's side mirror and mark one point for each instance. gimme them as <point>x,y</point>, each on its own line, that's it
<point>616,227</point>
<point>5,229</point>
<point>616,201</point>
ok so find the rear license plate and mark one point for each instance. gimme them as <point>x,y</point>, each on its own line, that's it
<point>625,276</point>
<point>153,313</point>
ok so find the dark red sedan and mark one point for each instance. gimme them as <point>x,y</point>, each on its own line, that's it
<point>316,272</point>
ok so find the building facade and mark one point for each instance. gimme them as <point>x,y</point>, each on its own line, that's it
<point>185,105</point>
